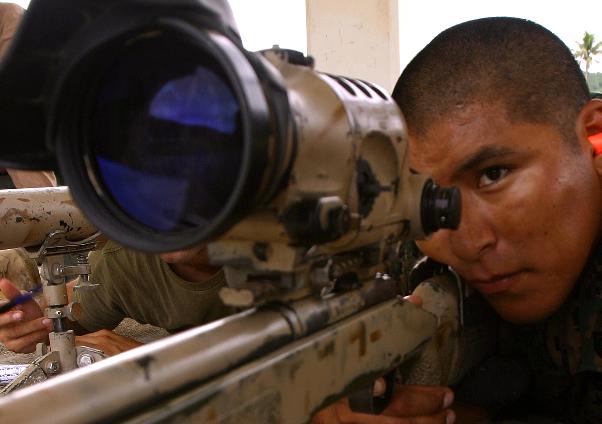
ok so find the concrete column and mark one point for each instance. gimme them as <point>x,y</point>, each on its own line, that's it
<point>355,38</point>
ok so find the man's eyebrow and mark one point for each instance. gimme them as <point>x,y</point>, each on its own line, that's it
<point>477,158</point>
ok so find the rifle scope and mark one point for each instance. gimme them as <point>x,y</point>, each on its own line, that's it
<point>169,133</point>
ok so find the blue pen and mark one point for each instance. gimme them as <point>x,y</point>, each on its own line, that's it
<point>22,298</point>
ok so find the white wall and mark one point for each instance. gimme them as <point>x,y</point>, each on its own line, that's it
<point>22,3</point>
<point>355,38</point>
<point>263,23</point>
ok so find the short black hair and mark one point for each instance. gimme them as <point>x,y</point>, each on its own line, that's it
<point>510,61</point>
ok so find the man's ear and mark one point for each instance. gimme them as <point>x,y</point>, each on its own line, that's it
<point>589,129</point>
<point>589,121</point>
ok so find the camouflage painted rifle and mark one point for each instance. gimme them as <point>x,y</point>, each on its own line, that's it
<point>277,363</point>
<point>299,179</point>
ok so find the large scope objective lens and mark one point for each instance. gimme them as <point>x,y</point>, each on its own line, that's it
<point>166,134</point>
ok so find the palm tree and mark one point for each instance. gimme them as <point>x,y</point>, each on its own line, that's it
<point>587,50</point>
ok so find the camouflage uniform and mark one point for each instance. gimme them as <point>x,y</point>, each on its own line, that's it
<point>567,356</point>
<point>556,365</point>
<point>16,266</point>
<point>550,372</point>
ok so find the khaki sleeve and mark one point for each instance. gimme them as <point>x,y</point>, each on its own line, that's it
<point>31,179</point>
<point>99,306</point>
<point>10,17</point>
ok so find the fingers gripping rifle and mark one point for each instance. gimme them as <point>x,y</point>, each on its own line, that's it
<point>47,223</point>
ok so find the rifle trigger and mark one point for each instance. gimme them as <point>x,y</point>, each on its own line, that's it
<point>364,401</point>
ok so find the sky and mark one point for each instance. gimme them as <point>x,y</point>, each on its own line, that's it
<point>263,23</point>
<point>422,20</point>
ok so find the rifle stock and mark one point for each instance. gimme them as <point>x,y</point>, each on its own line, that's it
<point>320,190</point>
<point>27,216</point>
<point>253,367</point>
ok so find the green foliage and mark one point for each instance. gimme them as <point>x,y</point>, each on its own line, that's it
<point>587,50</point>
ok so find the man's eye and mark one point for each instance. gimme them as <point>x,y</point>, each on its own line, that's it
<point>492,175</point>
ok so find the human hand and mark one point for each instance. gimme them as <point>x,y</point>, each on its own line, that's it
<point>107,341</point>
<point>410,405</point>
<point>23,326</point>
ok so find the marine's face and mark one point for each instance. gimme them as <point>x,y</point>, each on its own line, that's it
<point>530,208</point>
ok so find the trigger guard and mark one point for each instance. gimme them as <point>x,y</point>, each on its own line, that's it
<point>364,401</point>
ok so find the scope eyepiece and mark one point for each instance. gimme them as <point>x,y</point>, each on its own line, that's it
<point>440,208</point>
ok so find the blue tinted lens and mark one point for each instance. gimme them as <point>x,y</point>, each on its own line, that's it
<point>166,136</point>
<point>199,100</point>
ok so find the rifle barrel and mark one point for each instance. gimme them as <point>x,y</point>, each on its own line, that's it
<point>234,368</point>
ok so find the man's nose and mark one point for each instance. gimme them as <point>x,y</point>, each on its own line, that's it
<point>476,233</point>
